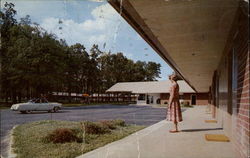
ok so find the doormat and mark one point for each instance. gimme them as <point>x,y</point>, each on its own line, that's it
<point>211,121</point>
<point>217,137</point>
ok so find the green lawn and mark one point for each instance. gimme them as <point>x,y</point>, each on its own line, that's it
<point>30,139</point>
<point>5,106</point>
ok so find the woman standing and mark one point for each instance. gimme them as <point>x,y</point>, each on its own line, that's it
<point>174,108</point>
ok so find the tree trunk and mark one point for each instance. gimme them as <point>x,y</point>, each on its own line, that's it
<point>69,97</point>
<point>14,97</point>
<point>98,97</point>
<point>19,97</point>
<point>6,97</point>
<point>69,92</point>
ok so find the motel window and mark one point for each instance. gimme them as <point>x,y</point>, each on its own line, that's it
<point>141,97</point>
<point>234,83</point>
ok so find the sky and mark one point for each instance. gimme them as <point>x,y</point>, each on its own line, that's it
<point>89,22</point>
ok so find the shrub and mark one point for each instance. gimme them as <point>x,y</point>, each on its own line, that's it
<point>109,124</point>
<point>95,128</point>
<point>185,103</point>
<point>62,135</point>
<point>119,123</point>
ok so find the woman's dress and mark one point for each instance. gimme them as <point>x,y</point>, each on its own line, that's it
<point>174,108</point>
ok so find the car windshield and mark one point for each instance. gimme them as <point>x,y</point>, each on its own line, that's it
<point>32,100</point>
<point>38,100</point>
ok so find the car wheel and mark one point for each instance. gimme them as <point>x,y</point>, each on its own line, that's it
<point>56,109</point>
<point>23,112</point>
<point>50,111</point>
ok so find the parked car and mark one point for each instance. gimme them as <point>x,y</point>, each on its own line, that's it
<point>36,105</point>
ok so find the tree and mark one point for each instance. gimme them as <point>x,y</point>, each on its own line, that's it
<point>83,63</point>
<point>31,59</point>
<point>76,71</point>
<point>94,75</point>
<point>7,21</point>
<point>118,68</point>
<point>152,71</point>
<point>139,71</point>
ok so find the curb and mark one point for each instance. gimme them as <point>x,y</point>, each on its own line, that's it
<point>11,153</point>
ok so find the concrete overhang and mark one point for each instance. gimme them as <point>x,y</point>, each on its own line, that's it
<point>190,35</point>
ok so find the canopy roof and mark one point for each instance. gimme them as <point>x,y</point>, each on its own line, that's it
<point>190,35</point>
<point>149,87</point>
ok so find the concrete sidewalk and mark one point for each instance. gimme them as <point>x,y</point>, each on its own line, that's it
<point>156,142</point>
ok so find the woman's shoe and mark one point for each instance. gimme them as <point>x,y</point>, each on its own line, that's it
<point>173,131</point>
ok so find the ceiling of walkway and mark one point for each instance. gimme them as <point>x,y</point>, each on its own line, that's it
<point>190,34</point>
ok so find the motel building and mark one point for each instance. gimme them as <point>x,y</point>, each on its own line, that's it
<point>157,92</point>
<point>207,43</point>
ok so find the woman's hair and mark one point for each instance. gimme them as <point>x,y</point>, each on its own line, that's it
<point>173,77</point>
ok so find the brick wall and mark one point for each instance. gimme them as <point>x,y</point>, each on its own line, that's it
<point>230,86</point>
<point>241,131</point>
<point>242,123</point>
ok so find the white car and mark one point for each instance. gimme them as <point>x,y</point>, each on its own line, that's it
<point>36,105</point>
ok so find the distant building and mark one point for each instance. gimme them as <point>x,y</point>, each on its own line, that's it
<point>157,92</point>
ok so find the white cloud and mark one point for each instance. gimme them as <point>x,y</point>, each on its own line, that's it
<point>100,29</point>
<point>105,11</point>
<point>91,25</point>
<point>97,38</point>
<point>72,31</point>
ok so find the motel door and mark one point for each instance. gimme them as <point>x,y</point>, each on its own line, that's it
<point>193,99</point>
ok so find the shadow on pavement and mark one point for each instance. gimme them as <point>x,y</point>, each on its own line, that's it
<point>43,112</point>
<point>197,130</point>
